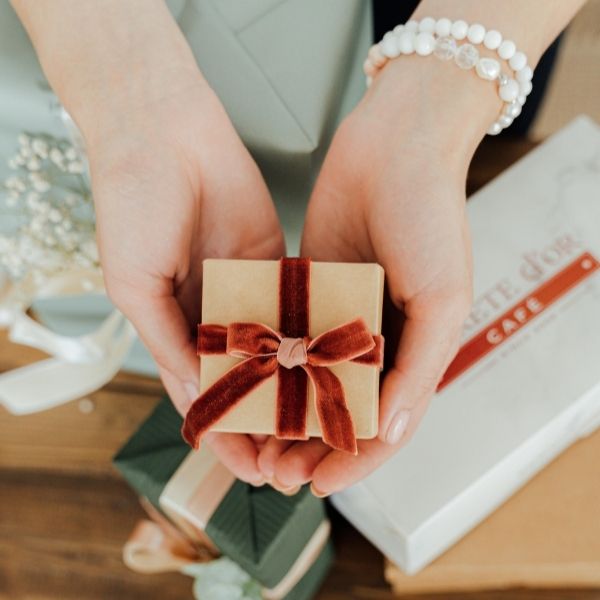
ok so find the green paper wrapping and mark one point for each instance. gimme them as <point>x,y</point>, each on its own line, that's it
<point>258,528</point>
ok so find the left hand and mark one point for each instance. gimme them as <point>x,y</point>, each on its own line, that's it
<point>392,191</point>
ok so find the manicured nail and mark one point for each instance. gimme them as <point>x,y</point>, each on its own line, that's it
<point>258,482</point>
<point>288,490</point>
<point>192,391</point>
<point>397,427</point>
<point>318,493</point>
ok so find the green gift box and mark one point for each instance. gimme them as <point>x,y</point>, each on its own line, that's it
<point>274,538</point>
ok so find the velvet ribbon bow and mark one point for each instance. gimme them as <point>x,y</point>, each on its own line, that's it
<point>291,355</point>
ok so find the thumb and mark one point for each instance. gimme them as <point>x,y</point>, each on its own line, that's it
<point>164,330</point>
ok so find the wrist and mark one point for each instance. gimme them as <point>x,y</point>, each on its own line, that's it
<point>107,59</point>
<point>431,99</point>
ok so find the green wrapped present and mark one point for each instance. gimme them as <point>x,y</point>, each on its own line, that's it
<point>280,541</point>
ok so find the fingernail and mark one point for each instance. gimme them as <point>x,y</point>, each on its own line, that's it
<point>318,493</point>
<point>258,482</point>
<point>397,427</point>
<point>288,490</point>
<point>268,470</point>
<point>191,389</point>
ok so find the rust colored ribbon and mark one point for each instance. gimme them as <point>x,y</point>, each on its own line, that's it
<point>294,357</point>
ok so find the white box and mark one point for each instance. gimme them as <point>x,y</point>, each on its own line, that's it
<point>527,395</point>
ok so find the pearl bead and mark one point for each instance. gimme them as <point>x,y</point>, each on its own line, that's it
<point>406,42</point>
<point>389,45</point>
<point>524,74</point>
<point>525,88</point>
<point>521,100</point>
<point>443,26</point>
<point>492,39</point>
<point>488,68</point>
<point>513,110</point>
<point>495,129</point>
<point>509,91</point>
<point>376,56</point>
<point>398,29</point>
<point>369,68</point>
<point>504,121</point>
<point>424,44</point>
<point>476,33</point>
<point>412,25</point>
<point>459,30</point>
<point>445,48</point>
<point>427,25</point>
<point>466,56</point>
<point>507,49</point>
<point>518,61</point>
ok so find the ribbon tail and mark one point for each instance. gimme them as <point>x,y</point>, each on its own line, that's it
<point>292,404</point>
<point>224,394</point>
<point>336,422</point>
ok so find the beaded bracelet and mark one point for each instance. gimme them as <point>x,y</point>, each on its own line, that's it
<point>440,37</point>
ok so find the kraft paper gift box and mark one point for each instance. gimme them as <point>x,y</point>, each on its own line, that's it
<point>526,383</point>
<point>263,531</point>
<point>297,297</point>
<point>546,536</point>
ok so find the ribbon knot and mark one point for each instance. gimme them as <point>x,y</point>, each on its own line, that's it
<point>294,358</point>
<point>292,352</point>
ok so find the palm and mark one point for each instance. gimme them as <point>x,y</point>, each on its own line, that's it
<point>368,207</point>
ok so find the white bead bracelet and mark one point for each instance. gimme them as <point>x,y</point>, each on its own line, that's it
<point>440,37</point>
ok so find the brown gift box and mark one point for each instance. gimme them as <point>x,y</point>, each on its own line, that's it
<point>546,536</point>
<point>248,291</point>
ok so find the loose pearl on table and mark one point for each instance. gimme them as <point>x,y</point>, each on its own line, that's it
<point>427,25</point>
<point>466,56</point>
<point>389,45</point>
<point>406,42</point>
<point>518,61</point>
<point>488,68</point>
<point>509,91</point>
<point>424,44</point>
<point>507,49</point>
<point>525,88</point>
<point>412,25</point>
<point>476,33</point>
<point>459,30</point>
<point>445,48</point>
<point>443,26</point>
<point>524,74</point>
<point>495,129</point>
<point>492,39</point>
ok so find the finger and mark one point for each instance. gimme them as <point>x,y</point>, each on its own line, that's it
<point>238,453</point>
<point>164,330</point>
<point>268,456</point>
<point>296,465</point>
<point>175,391</point>
<point>426,347</point>
<point>339,470</point>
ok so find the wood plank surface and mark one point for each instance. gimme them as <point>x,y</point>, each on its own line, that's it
<point>65,513</point>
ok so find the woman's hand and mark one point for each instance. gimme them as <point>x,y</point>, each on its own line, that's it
<point>392,191</point>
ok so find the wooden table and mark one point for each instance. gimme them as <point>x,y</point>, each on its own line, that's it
<point>65,513</point>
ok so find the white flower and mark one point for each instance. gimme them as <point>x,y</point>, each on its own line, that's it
<point>40,147</point>
<point>75,167</point>
<point>23,139</point>
<point>54,215</point>
<point>33,164</point>
<point>41,185</point>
